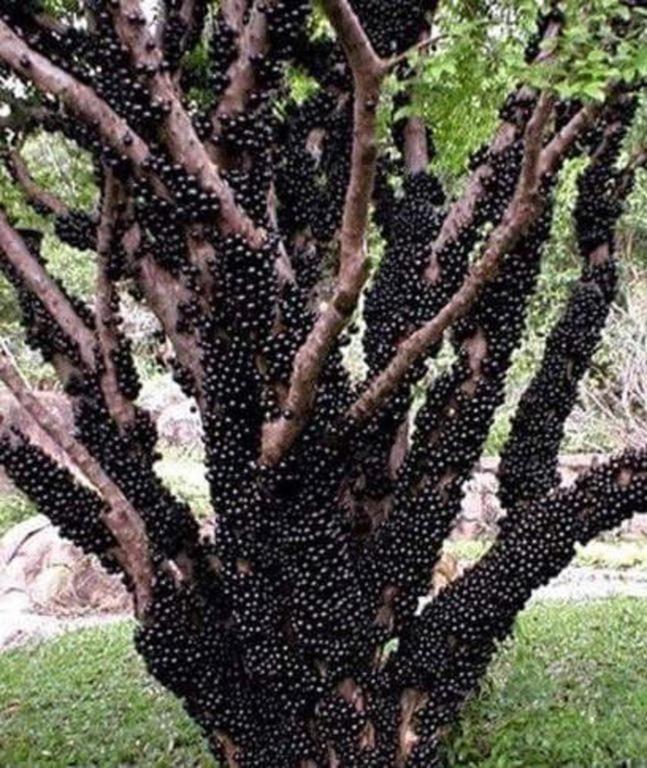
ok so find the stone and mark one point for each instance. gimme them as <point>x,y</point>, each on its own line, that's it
<point>180,424</point>
<point>43,573</point>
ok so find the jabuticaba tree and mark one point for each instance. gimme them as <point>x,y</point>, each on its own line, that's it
<point>240,215</point>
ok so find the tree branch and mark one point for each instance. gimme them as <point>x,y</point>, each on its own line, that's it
<point>450,431</point>
<point>162,292</point>
<point>463,211</point>
<point>531,173</point>
<point>561,143</point>
<point>522,210</point>
<point>45,288</point>
<point>233,12</point>
<point>78,97</point>
<point>122,520</point>
<point>428,41</point>
<point>358,48</point>
<point>252,43</point>
<point>368,72</point>
<point>416,145</point>
<point>84,102</point>
<point>121,409</point>
<point>180,135</point>
<point>454,639</point>
<point>164,295</point>
<point>35,194</point>
<point>187,13</point>
<point>528,467</point>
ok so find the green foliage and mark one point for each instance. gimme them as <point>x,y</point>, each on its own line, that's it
<point>602,42</point>
<point>478,57</point>
<point>474,65</point>
<point>570,691</point>
<point>301,85</point>
<point>60,7</point>
<point>60,165</point>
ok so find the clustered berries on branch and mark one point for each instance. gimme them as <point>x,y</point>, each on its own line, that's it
<point>529,459</point>
<point>291,631</point>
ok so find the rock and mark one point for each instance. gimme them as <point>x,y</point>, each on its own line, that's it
<point>43,573</point>
<point>636,527</point>
<point>177,423</point>
<point>159,394</point>
<point>180,424</point>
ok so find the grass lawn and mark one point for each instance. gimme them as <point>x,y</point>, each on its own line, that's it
<point>602,553</point>
<point>571,691</point>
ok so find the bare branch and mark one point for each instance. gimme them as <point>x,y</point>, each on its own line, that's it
<point>530,171</point>
<point>424,44</point>
<point>564,139</point>
<point>22,115</point>
<point>358,48</point>
<point>416,145</point>
<point>627,176</point>
<point>122,520</point>
<point>45,21</point>
<point>233,12</point>
<point>636,161</point>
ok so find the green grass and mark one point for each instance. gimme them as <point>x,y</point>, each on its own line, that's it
<point>615,555</point>
<point>183,472</point>
<point>85,700</point>
<point>571,692</point>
